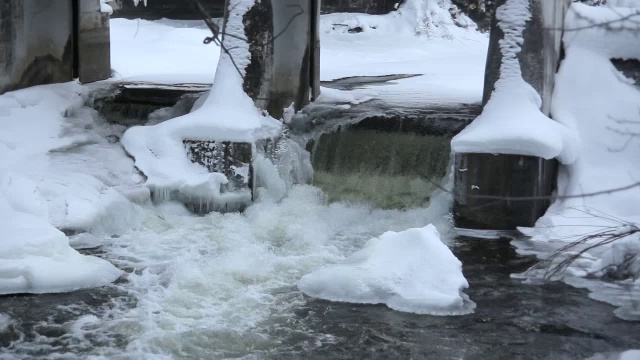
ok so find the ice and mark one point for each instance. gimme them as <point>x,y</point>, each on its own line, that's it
<point>411,271</point>
<point>36,258</point>
<point>52,176</point>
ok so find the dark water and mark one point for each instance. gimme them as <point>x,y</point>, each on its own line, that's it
<point>512,321</point>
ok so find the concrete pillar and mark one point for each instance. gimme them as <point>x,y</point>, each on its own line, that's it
<point>487,185</point>
<point>36,43</point>
<point>281,46</point>
<point>94,48</point>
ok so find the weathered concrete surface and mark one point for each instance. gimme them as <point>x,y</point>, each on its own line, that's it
<point>93,42</point>
<point>486,196</point>
<point>36,43</point>
<point>280,73</point>
<point>513,176</point>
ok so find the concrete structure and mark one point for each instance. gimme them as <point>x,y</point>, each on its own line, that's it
<point>284,46</point>
<point>48,41</point>
<point>487,191</point>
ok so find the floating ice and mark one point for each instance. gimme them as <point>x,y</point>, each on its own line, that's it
<point>411,271</point>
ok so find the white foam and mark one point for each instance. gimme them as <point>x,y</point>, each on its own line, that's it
<point>230,276</point>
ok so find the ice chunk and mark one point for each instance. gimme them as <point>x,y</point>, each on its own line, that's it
<point>36,258</point>
<point>411,271</point>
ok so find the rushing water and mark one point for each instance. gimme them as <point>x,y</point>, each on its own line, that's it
<point>223,286</point>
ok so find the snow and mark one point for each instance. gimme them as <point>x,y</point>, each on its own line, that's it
<point>601,105</point>
<point>451,59</point>
<point>451,68</point>
<point>511,122</point>
<point>47,182</point>
<point>165,51</point>
<point>334,96</point>
<point>227,114</point>
<point>411,271</point>
<point>625,355</point>
<point>106,8</point>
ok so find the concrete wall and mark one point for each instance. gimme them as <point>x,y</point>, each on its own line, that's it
<point>280,72</point>
<point>36,43</point>
<point>42,42</point>
<point>94,44</point>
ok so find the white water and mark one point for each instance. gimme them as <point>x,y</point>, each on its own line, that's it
<point>221,285</point>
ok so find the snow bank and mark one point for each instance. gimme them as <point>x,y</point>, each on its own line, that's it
<point>411,271</point>
<point>228,114</point>
<point>605,30</point>
<point>36,258</point>
<point>47,181</point>
<point>511,122</point>
<point>431,18</point>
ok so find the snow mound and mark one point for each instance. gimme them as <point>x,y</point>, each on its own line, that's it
<point>511,122</point>
<point>52,176</point>
<point>410,271</point>
<point>430,18</point>
<point>36,258</point>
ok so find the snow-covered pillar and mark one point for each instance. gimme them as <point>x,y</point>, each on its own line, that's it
<point>36,43</point>
<point>280,42</point>
<point>487,184</point>
<point>540,51</point>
